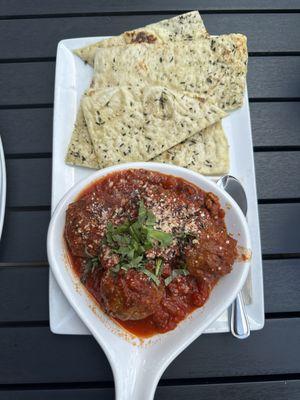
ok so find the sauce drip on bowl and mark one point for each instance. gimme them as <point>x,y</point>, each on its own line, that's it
<point>148,247</point>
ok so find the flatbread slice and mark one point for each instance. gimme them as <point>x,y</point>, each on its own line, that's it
<point>222,66</point>
<point>222,60</point>
<point>211,67</point>
<point>136,124</point>
<point>206,152</point>
<point>184,27</point>
<point>81,151</point>
<point>187,27</point>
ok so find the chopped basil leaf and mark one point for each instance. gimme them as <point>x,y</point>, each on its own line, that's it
<point>174,274</point>
<point>90,265</point>
<point>132,239</point>
<point>116,268</point>
<point>151,276</point>
<point>165,239</point>
<point>158,266</point>
<point>136,262</point>
<point>142,216</point>
<point>145,217</point>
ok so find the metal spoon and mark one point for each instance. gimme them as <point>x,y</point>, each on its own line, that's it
<point>239,323</point>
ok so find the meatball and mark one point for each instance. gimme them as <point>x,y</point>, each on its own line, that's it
<point>213,255</point>
<point>213,205</point>
<point>130,295</point>
<point>83,230</point>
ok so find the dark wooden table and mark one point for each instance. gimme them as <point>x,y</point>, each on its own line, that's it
<point>34,363</point>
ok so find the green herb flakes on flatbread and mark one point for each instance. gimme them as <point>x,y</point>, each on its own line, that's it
<point>205,152</point>
<point>187,27</point>
<point>211,67</point>
<point>159,93</point>
<point>136,124</point>
<point>183,27</point>
<point>81,150</point>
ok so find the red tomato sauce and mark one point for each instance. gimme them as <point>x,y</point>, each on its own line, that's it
<point>170,280</point>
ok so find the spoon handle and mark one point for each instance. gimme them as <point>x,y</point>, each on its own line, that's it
<point>239,321</point>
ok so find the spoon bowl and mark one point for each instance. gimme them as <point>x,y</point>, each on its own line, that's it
<point>234,187</point>
<point>138,364</point>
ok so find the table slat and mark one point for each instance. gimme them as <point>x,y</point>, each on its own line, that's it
<point>24,294</point>
<point>24,236</point>
<point>26,131</point>
<point>275,124</point>
<point>276,174</point>
<point>27,83</point>
<point>274,350</point>
<point>35,7</point>
<point>273,77</point>
<point>278,390</point>
<point>39,37</point>
<point>279,228</point>
<point>29,182</point>
<point>281,285</point>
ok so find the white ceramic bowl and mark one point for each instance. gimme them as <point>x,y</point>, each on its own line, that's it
<point>138,364</point>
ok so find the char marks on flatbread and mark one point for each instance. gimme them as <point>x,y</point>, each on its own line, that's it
<point>187,26</point>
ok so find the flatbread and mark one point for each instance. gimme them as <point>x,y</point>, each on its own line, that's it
<point>211,67</point>
<point>184,27</point>
<point>137,124</point>
<point>234,51</point>
<point>218,70</point>
<point>187,26</point>
<point>81,151</point>
<point>206,152</point>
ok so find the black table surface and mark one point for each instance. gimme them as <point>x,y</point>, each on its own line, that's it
<point>36,364</point>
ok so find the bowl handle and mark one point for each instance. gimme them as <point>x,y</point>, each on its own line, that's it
<point>135,382</point>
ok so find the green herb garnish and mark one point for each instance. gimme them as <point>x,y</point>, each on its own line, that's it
<point>131,240</point>
<point>89,267</point>
<point>151,276</point>
<point>174,274</point>
<point>165,239</point>
<point>158,266</point>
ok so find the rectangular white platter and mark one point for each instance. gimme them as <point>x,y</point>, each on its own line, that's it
<point>72,78</point>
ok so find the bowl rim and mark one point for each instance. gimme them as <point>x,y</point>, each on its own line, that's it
<point>167,169</point>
